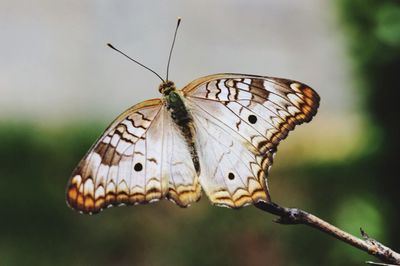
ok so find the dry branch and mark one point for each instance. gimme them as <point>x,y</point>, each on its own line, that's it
<point>298,216</point>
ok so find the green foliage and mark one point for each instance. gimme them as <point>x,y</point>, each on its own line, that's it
<point>35,163</point>
<point>353,213</point>
<point>37,226</point>
<point>373,28</point>
<point>373,33</point>
<point>388,24</point>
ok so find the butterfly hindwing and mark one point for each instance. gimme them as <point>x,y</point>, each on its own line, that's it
<point>231,177</point>
<point>240,121</point>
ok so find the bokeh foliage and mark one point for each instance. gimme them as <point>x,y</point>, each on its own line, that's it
<point>36,227</point>
<point>373,29</point>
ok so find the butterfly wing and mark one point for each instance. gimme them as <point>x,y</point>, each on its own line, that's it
<point>240,120</point>
<point>135,161</point>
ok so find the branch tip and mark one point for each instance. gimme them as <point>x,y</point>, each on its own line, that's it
<point>367,244</point>
<point>363,234</point>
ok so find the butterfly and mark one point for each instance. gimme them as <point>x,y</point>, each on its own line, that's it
<point>218,134</point>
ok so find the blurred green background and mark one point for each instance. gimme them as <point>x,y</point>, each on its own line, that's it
<point>60,87</point>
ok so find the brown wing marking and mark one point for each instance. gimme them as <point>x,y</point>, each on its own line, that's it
<point>102,178</point>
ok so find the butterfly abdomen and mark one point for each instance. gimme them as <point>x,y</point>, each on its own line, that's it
<point>183,119</point>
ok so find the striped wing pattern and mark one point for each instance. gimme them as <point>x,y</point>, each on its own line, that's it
<point>140,158</point>
<point>240,121</point>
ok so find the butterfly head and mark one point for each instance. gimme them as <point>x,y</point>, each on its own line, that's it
<point>166,87</point>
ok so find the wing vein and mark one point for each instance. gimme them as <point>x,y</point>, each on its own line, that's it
<point>243,137</point>
<point>213,137</point>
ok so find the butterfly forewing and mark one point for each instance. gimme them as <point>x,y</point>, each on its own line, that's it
<point>240,121</point>
<point>132,163</point>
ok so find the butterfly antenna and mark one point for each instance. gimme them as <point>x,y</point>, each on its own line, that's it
<point>140,64</point>
<point>173,43</point>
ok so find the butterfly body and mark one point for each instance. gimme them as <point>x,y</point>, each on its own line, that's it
<point>182,118</point>
<point>218,134</point>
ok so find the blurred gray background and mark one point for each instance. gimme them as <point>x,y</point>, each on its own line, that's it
<point>55,66</point>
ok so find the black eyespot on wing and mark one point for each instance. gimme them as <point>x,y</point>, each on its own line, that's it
<point>252,119</point>
<point>231,176</point>
<point>138,167</point>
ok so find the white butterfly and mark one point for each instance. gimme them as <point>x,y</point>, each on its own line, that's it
<point>219,133</point>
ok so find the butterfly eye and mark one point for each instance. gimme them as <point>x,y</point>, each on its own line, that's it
<point>138,167</point>
<point>252,119</point>
<point>231,176</point>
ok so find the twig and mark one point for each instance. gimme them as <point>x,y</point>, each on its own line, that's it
<point>297,216</point>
